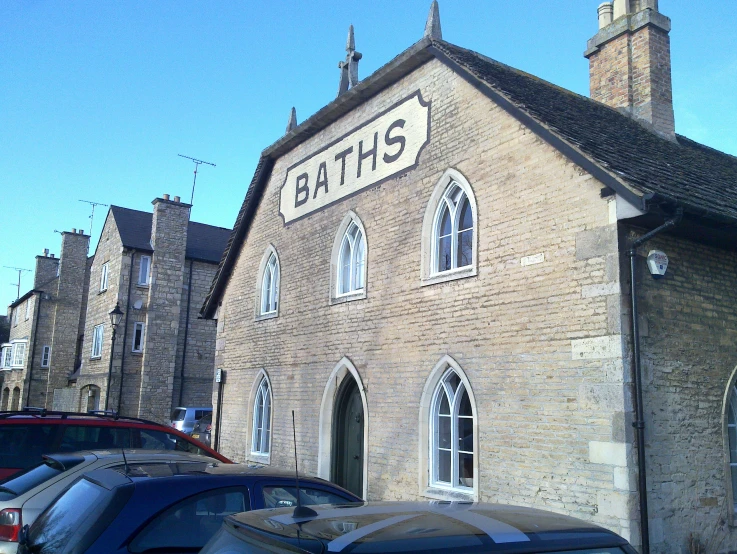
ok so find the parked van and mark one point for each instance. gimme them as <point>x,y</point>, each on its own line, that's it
<point>184,418</point>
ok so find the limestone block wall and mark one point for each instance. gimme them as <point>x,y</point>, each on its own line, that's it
<point>43,333</point>
<point>21,329</point>
<point>540,342</point>
<point>198,352</point>
<point>688,336</point>
<point>94,371</point>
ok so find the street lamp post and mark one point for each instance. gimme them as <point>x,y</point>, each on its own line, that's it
<point>116,314</point>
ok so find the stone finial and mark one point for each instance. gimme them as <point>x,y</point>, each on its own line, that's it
<point>349,68</point>
<point>432,27</point>
<point>292,121</point>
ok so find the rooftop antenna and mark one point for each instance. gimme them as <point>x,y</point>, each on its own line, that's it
<point>92,215</point>
<point>196,165</point>
<point>20,271</point>
<point>300,511</point>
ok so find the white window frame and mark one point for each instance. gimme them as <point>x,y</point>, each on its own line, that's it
<point>731,429</point>
<point>6,356</point>
<point>144,277</point>
<point>261,417</point>
<point>104,270</point>
<point>98,335</point>
<point>46,356</point>
<point>136,326</point>
<point>348,232</point>
<point>440,198</point>
<point>19,353</point>
<point>28,309</point>
<point>429,485</point>
<point>267,291</point>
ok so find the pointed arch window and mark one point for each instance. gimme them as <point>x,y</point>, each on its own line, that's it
<point>352,261</point>
<point>270,286</point>
<point>261,436</point>
<point>732,439</point>
<point>452,435</point>
<point>454,228</point>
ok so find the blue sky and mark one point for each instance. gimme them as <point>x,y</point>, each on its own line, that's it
<point>98,98</point>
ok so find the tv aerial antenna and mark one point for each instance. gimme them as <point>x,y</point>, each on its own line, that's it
<point>92,215</point>
<point>20,271</point>
<point>196,166</point>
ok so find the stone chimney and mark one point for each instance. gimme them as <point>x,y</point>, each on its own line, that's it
<point>46,268</point>
<point>169,242</point>
<point>629,62</point>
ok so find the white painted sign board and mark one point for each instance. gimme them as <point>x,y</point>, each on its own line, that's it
<point>378,149</point>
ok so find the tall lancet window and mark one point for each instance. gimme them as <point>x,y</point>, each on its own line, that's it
<point>352,261</point>
<point>732,438</point>
<point>270,286</point>
<point>454,227</point>
<point>261,436</point>
<point>452,434</point>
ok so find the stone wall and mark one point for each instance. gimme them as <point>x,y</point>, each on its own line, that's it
<point>688,336</point>
<point>540,343</point>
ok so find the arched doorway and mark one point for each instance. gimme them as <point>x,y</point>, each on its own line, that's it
<point>90,398</point>
<point>348,420</point>
<point>15,400</point>
<point>6,399</point>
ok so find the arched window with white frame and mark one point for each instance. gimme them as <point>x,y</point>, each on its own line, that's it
<point>261,434</point>
<point>452,435</point>
<point>449,231</point>
<point>352,261</point>
<point>267,297</point>
<point>732,441</point>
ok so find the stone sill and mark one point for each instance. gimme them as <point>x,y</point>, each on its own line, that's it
<point>102,292</point>
<point>350,297</point>
<point>264,459</point>
<point>454,495</point>
<point>262,317</point>
<point>451,275</point>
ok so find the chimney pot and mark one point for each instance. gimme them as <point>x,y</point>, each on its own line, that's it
<point>176,199</point>
<point>166,197</point>
<point>74,230</point>
<point>620,8</point>
<point>46,252</point>
<point>51,255</point>
<point>605,12</point>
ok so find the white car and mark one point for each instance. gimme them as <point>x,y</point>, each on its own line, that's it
<point>23,496</point>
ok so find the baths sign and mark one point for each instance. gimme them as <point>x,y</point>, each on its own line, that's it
<point>373,152</point>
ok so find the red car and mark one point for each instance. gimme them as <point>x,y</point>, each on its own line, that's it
<point>25,436</point>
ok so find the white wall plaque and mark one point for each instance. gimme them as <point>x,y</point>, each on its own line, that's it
<point>377,150</point>
<point>534,259</point>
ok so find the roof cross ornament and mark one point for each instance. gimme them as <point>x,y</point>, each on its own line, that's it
<point>349,68</point>
<point>432,27</point>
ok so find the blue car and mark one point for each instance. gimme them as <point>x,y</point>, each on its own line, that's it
<point>172,507</point>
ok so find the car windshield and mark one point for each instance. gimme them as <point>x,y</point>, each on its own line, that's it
<point>178,414</point>
<point>23,445</point>
<point>75,520</point>
<point>21,483</point>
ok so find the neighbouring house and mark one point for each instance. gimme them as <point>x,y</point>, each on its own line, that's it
<point>157,269</point>
<point>46,324</point>
<point>433,274</point>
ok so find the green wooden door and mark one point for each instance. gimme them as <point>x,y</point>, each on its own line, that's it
<point>348,438</point>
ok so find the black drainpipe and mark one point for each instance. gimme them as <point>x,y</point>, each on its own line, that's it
<point>125,331</point>
<point>33,350</point>
<point>186,331</point>
<point>639,423</point>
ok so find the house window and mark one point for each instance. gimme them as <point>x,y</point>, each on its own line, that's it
<point>352,261</point>
<point>269,289</point>
<point>138,330</point>
<point>452,435</point>
<point>19,354</point>
<point>453,234</point>
<point>732,438</point>
<point>261,419</point>
<point>97,334</point>
<point>28,309</point>
<point>144,270</point>
<point>6,360</point>
<point>449,242</point>
<point>46,356</point>
<point>103,276</point>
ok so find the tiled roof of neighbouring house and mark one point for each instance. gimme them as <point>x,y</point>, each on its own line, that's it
<point>625,155</point>
<point>204,242</point>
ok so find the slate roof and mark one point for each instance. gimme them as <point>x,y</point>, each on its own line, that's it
<point>204,242</point>
<point>642,166</point>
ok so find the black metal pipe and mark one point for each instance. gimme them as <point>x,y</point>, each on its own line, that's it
<point>639,423</point>
<point>186,332</point>
<point>219,418</point>
<point>110,370</point>
<point>33,350</point>
<point>125,332</point>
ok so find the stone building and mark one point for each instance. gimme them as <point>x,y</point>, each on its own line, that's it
<point>157,268</point>
<point>45,326</point>
<point>433,274</point>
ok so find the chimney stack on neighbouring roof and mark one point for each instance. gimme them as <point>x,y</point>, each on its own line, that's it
<point>46,252</point>
<point>629,62</point>
<point>177,199</point>
<point>166,197</point>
